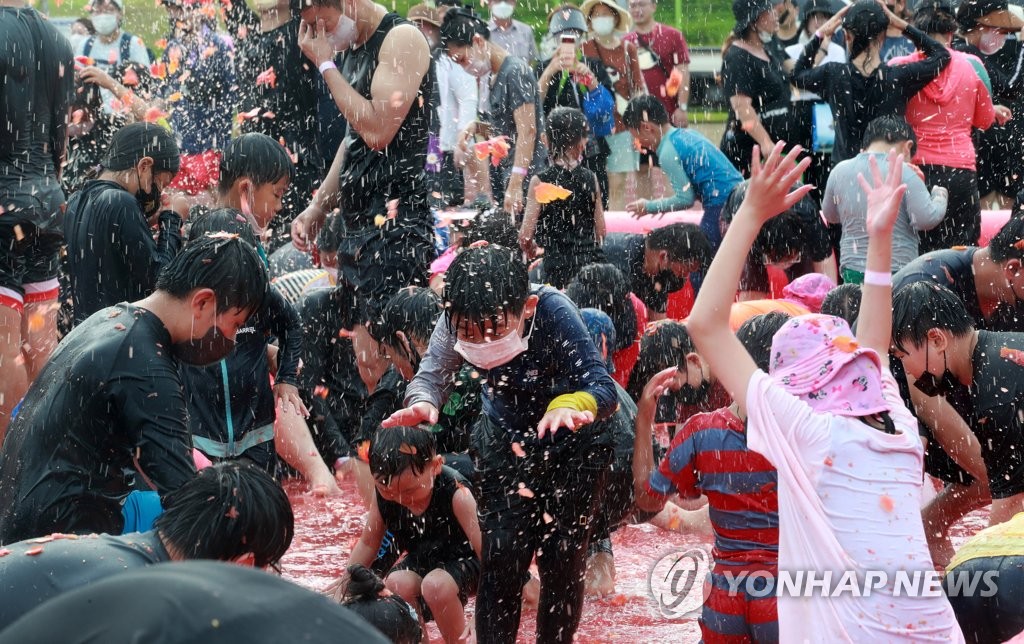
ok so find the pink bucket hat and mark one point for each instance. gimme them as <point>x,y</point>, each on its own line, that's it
<point>809,290</point>
<point>816,358</point>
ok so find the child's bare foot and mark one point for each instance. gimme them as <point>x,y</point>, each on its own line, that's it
<point>531,593</point>
<point>600,575</point>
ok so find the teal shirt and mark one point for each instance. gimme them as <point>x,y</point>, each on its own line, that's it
<point>672,165</point>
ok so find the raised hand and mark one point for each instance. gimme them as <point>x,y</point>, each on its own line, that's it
<point>884,194</point>
<point>768,193</point>
<point>828,29</point>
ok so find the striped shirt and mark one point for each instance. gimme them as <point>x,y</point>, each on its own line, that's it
<point>709,456</point>
<point>296,285</point>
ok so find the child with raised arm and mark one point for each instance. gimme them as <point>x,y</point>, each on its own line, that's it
<point>540,457</point>
<point>430,512</point>
<point>830,418</point>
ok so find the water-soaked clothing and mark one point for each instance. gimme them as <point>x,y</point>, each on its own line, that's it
<point>434,539</point>
<point>112,256</point>
<point>566,227</point>
<point>856,99</point>
<point>230,400</point>
<point>66,564</point>
<point>285,110</point>
<point>626,252</point>
<point>343,412</point>
<point>376,258</point>
<point>109,403</point>
<point>36,86</point>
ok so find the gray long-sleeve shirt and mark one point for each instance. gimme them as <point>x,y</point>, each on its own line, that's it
<point>845,203</point>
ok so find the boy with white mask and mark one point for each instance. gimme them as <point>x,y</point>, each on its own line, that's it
<point>541,458</point>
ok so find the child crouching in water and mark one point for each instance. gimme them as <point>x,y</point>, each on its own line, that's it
<point>830,418</point>
<point>430,512</point>
<point>570,227</point>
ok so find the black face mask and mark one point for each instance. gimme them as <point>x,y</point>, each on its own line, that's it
<point>689,395</point>
<point>931,385</point>
<point>210,348</point>
<point>149,200</point>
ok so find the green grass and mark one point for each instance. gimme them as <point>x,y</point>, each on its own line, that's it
<point>704,22</point>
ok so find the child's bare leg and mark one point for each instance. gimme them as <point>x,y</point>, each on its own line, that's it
<point>406,584</point>
<point>531,593</point>
<point>442,596</point>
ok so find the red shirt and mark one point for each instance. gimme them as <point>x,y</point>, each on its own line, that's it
<point>669,46</point>
<point>625,359</point>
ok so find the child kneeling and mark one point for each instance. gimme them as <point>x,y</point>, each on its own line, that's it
<point>430,512</point>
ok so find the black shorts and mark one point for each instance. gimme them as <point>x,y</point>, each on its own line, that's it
<point>379,261</point>
<point>29,262</point>
<point>465,571</point>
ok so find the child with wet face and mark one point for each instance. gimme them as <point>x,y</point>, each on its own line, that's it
<point>430,512</point>
<point>540,456</point>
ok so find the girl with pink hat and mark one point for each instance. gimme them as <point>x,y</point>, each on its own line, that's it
<point>828,415</point>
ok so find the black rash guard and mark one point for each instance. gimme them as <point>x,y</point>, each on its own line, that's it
<point>109,403</point>
<point>112,256</point>
<point>36,85</point>
<point>26,581</point>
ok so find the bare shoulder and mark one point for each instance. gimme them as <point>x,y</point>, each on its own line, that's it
<point>406,46</point>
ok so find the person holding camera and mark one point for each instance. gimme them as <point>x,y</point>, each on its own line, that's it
<point>570,79</point>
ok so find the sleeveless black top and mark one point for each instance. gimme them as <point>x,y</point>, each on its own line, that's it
<point>369,178</point>
<point>435,535</point>
<point>568,223</point>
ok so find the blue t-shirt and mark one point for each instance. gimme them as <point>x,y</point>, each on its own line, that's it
<point>696,168</point>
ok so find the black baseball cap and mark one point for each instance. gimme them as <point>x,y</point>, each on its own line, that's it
<point>987,13</point>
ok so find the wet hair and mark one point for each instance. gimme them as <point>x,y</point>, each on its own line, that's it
<point>781,236</point>
<point>933,18</point>
<point>684,242</point>
<point>566,127</point>
<point>1008,243</point>
<point>222,220</point>
<point>414,311</point>
<point>226,264</point>
<point>756,336</point>
<point>891,129</point>
<point>227,510</point>
<point>389,614</point>
<point>843,302</point>
<point>665,344</point>
<point>328,240</point>
<point>864,22</point>
<point>460,25</point>
<point>604,287</point>
<point>482,284</point>
<point>645,108</point>
<point>494,227</point>
<point>256,157</point>
<point>919,307</point>
<point>394,450</point>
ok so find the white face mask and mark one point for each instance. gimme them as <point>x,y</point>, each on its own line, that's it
<point>344,34</point>
<point>105,23</point>
<point>479,66</point>
<point>765,36</point>
<point>488,355</point>
<point>263,5</point>
<point>502,10</point>
<point>603,25</point>
<point>991,42</point>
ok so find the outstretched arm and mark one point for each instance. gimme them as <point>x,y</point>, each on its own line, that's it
<point>874,326</point>
<point>767,196</point>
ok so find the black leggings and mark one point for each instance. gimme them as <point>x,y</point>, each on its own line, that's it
<point>995,618</point>
<point>540,504</point>
<point>962,224</point>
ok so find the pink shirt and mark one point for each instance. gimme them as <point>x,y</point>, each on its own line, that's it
<point>943,113</point>
<point>849,500</point>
